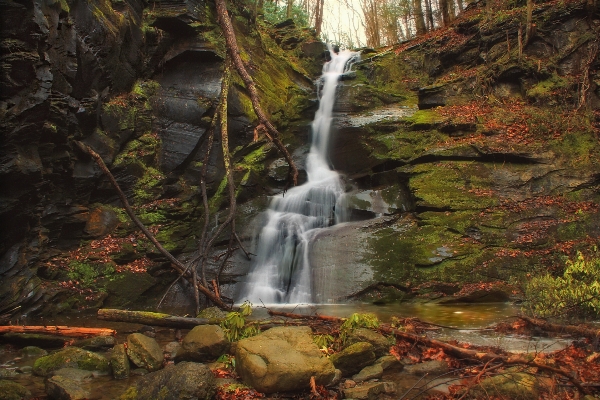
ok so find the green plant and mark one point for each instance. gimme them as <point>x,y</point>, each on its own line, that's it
<point>357,320</point>
<point>228,360</point>
<point>234,325</point>
<point>575,293</point>
<point>324,342</point>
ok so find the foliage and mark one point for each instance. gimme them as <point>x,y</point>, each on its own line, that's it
<point>235,326</point>
<point>86,273</point>
<point>577,292</point>
<point>355,321</point>
<point>275,13</point>
<point>324,342</point>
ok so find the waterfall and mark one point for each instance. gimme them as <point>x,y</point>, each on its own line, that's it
<point>281,271</point>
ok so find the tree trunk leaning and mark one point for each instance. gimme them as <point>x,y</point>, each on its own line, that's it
<point>150,318</point>
<point>70,331</point>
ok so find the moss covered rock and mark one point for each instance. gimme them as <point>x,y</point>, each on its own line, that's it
<point>354,358</point>
<point>13,391</point>
<point>71,357</point>
<point>144,352</point>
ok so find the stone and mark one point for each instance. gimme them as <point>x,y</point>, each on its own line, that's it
<point>186,380</point>
<point>71,357</point>
<point>366,391</point>
<point>119,362</point>
<point>96,343</point>
<point>213,314</point>
<point>13,391</point>
<point>170,349</point>
<point>282,359</point>
<point>64,388</point>
<point>74,374</point>
<point>354,358</point>
<point>203,343</point>
<point>33,351</point>
<point>428,367</point>
<point>369,372</point>
<point>144,352</point>
<point>509,385</point>
<point>381,344</point>
<point>389,362</point>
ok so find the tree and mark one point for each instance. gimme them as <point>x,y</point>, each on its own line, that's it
<point>419,18</point>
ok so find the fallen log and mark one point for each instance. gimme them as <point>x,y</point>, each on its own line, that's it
<point>575,330</point>
<point>150,318</point>
<point>70,331</point>
<point>316,317</point>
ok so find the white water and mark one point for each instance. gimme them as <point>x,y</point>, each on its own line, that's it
<point>281,272</point>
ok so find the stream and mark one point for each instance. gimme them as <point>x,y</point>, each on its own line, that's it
<point>462,317</point>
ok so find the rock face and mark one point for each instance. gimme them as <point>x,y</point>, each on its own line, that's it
<point>144,352</point>
<point>282,359</point>
<point>203,343</point>
<point>185,380</point>
<point>141,89</point>
<point>71,357</point>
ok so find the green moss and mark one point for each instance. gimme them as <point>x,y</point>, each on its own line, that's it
<point>453,185</point>
<point>71,357</point>
<point>86,273</point>
<point>13,391</point>
<point>149,186</point>
<point>144,149</point>
<point>424,119</point>
<point>548,88</point>
<point>130,394</point>
<point>403,144</point>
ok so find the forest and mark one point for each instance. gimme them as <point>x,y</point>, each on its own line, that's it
<point>239,199</point>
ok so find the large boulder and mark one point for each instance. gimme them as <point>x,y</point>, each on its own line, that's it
<point>144,352</point>
<point>71,357</point>
<point>69,384</point>
<point>203,343</point>
<point>354,358</point>
<point>282,359</point>
<point>186,380</point>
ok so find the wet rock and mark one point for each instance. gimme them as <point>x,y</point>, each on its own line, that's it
<point>366,391</point>
<point>510,385</point>
<point>427,367</point>
<point>63,388</point>
<point>33,351</point>
<point>354,358</point>
<point>203,343</point>
<point>381,344</point>
<point>144,352</point>
<point>96,343</point>
<point>75,374</point>
<point>8,373</point>
<point>369,372</point>
<point>71,357</point>
<point>389,362</point>
<point>186,380</point>
<point>213,314</point>
<point>119,362</point>
<point>13,391</point>
<point>101,222</point>
<point>282,359</point>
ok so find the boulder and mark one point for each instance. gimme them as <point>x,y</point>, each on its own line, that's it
<point>354,358</point>
<point>213,314</point>
<point>13,391</point>
<point>144,352</point>
<point>431,368</point>
<point>33,351</point>
<point>381,345</point>
<point>119,362</point>
<point>368,391</point>
<point>186,380</point>
<point>282,359</point>
<point>96,343</point>
<point>203,343</point>
<point>61,388</point>
<point>101,222</point>
<point>71,357</point>
<point>510,385</point>
<point>369,372</point>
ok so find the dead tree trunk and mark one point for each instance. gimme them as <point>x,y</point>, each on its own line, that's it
<point>234,52</point>
<point>150,318</point>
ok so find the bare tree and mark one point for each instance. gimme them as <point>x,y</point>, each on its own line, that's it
<point>419,18</point>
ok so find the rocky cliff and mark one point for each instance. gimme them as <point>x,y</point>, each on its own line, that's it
<point>479,156</point>
<point>138,82</point>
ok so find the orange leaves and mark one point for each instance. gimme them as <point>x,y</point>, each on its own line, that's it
<point>237,392</point>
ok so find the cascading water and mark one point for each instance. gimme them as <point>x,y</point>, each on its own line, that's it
<point>281,271</point>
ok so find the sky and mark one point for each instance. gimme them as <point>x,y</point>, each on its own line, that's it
<point>342,22</point>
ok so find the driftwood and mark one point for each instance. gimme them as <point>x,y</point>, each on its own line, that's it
<point>458,352</point>
<point>575,330</point>
<point>177,265</point>
<point>150,318</point>
<point>70,331</point>
<point>316,317</point>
